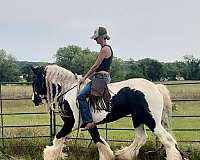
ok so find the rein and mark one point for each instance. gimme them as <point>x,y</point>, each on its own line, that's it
<point>67,91</point>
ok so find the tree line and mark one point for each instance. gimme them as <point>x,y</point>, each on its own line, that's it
<point>79,60</point>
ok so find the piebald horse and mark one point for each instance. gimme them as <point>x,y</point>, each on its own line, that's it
<point>148,104</point>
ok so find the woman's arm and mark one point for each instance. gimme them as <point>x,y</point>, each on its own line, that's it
<point>102,54</point>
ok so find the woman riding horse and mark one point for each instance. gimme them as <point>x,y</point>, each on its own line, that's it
<point>147,103</point>
<point>99,69</point>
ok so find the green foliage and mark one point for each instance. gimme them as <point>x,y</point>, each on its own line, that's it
<point>170,71</point>
<point>25,68</point>
<point>152,69</point>
<point>147,68</point>
<point>75,59</point>
<point>9,70</point>
<point>27,72</point>
<point>117,70</point>
<point>80,60</point>
<point>192,69</point>
<point>66,56</point>
<point>133,70</point>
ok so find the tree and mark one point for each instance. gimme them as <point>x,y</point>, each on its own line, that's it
<point>80,60</point>
<point>9,70</point>
<point>170,71</point>
<point>192,69</point>
<point>25,68</point>
<point>133,70</point>
<point>117,70</point>
<point>152,69</point>
<point>65,56</point>
<point>83,61</point>
<point>75,59</point>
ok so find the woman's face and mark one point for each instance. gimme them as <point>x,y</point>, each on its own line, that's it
<point>98,40</point>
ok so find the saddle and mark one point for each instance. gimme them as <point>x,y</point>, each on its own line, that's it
<point>99,96</point>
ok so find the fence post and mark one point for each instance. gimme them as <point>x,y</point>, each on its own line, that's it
<point>54,124</point>
<point>1,103</point>
<point>51,125</point>
<point>106,131</point>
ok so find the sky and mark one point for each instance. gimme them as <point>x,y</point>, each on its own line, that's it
<point>165,30</point>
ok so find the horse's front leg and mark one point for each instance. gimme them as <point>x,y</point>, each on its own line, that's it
<point>54,152</point>
<point>105,152</point>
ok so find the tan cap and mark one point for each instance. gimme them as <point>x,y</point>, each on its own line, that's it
<point>100,31</point>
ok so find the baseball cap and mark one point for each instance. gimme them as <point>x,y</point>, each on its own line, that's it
<point>100,31</point>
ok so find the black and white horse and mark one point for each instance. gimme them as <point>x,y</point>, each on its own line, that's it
<point>148,104</point>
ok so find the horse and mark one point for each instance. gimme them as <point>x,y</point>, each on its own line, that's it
<point>148,104</point>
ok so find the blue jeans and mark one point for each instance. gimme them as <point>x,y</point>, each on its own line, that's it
<point>83,104</point>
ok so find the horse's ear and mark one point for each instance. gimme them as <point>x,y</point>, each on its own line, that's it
<point>42,68</point>
<point>35,69</point>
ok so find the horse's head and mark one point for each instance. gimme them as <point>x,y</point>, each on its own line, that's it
<point>39,85</point>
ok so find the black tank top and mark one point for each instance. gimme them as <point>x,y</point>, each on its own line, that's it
<point>105,64</point>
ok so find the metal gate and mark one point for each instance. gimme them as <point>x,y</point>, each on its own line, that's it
<point>53,124</point>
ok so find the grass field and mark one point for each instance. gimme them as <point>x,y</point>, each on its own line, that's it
<point>189,91</point>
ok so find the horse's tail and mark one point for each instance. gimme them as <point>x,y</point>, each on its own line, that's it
<point>167,106</point>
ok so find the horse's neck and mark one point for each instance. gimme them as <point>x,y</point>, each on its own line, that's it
<point>59,75</point>
<point>67,83</point>
<point>61,79</point>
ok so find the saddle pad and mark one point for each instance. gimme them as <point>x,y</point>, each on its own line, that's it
<point>98,86</point>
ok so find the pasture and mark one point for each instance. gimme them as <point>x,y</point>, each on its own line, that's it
<point>27,148</point>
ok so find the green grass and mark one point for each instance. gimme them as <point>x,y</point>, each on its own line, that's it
<point>185,91</point>
<point>16,147</point>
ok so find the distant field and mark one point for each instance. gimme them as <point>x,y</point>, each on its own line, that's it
<point>189,91</point>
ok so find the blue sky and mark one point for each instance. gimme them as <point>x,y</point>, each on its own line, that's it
<point>160,29</point>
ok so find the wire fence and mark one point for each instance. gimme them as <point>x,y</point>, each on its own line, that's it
<point>53,125</point>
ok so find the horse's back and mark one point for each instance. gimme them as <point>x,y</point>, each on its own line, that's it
<point>150,90</point>
<point>134,83</point>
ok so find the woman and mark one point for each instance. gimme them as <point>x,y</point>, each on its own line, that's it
<point>100,67</point>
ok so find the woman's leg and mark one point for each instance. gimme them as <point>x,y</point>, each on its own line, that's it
<point>84,106</point>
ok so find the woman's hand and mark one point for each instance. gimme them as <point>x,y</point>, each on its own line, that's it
<point>82,80</point>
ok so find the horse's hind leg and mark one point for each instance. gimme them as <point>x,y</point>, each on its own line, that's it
<point>131,152</point>
<point>169,143</point>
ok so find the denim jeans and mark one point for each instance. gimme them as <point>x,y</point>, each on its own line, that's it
<point>83,104</point>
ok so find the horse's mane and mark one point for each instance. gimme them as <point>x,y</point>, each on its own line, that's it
<point>58,80</point>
